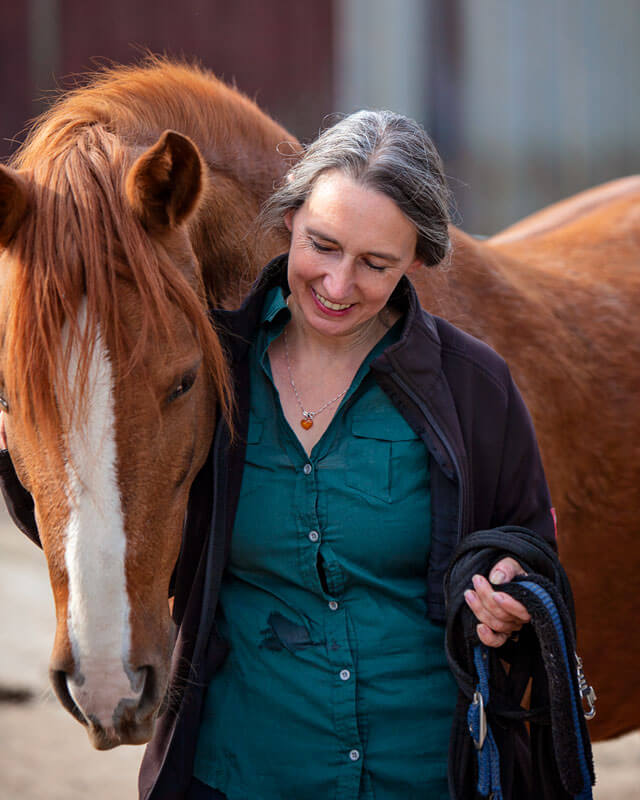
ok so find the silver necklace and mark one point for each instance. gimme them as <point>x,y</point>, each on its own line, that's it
<point>307,416</point>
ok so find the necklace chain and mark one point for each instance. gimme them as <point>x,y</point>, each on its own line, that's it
<point>307,416</point>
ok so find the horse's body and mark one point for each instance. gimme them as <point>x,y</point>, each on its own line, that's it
<point>110,228</point>
<point>560,302</point>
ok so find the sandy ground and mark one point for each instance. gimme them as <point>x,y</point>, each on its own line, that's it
<point>45,754</point>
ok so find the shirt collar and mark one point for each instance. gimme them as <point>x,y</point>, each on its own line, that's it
<point>274,304</point>
<point>275,315</point>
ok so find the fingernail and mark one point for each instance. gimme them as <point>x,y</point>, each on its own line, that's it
<point>497,576</point>
<point>470,597</point>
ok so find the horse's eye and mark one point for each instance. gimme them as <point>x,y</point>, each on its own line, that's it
<point>186,382</point>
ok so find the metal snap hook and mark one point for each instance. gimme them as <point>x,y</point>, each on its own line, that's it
<point>478,700</point>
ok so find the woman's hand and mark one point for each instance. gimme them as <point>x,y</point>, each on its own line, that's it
<point>498,613</point>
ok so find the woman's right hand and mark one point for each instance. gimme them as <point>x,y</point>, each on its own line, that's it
<point>498,614</point>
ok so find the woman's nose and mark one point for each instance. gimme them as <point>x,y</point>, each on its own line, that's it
<point>338,281</point>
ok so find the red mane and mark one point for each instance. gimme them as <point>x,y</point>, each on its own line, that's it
<point>81,235</point>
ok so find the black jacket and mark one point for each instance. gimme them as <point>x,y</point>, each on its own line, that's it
<point>458,396</point>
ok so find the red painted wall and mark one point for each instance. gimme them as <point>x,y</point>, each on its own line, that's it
<point>15,88</point>
<point>279,52</point>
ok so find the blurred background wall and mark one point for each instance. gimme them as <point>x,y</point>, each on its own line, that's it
<point>528,102</point>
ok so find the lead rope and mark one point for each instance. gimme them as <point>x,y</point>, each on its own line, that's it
<point>488,755</point>
<point>488,784</point>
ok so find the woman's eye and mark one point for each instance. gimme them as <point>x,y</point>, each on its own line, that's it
<point>321,248</point>
<point>183,387</point>
<point>375,267</point>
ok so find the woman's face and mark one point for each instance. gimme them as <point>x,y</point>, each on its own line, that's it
<point>350,246</point>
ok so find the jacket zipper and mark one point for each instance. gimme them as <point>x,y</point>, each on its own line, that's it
<point>443,441</point>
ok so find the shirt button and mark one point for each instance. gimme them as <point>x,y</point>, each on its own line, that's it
<point>313,536</point>
<point>345,674</point>
<point>354,755</point>
<point>307,469</point>
<point>333,605</point>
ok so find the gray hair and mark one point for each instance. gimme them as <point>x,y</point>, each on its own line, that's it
<point>383,151</point>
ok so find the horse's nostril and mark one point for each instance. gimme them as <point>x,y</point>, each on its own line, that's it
<point>138,679</point>
<point>59,681</point>
<point>134,718</point>
<point>149,697</point>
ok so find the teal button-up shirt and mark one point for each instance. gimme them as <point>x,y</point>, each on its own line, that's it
<point>336,686</point>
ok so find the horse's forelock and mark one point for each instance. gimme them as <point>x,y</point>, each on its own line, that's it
<point>79,238</point>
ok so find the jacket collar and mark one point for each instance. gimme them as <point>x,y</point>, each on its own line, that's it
<point>238,327</point>
<point>417,353</point>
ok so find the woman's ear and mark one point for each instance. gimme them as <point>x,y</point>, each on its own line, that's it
<point>415,265</point>
<point>288,220</point>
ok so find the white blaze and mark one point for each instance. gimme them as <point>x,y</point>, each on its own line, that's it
<point>98,604</point>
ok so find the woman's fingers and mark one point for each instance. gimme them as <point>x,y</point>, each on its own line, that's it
<point>498,604</point>
<point>499,614</point>
<point>505,570</point>
<point>490,637</point>
<point>500,621</point>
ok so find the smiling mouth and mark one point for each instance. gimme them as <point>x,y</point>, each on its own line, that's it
<point>328,304</point>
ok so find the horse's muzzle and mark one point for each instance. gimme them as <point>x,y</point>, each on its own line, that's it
<point>111,721</point>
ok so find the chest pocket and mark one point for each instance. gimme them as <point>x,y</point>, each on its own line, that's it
<point>260,455</point>
<point>262,452</point>
<point>254,434</point>
<point>386,459</point>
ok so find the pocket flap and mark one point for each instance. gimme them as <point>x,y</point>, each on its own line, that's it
<point>385,427</point>
<point>254,434</point>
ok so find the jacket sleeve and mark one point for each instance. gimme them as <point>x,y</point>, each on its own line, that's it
<point>523,496</point>
<point>19,501</point>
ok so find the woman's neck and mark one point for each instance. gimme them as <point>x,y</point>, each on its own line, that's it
<point>304,339</point>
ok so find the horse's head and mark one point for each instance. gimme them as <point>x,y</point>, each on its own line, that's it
<point>110,376</point>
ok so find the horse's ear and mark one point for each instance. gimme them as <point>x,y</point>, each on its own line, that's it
<point>13,203</point>
<point>164,184</point>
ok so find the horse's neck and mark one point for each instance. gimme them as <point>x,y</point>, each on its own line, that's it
<point>228,245</point>
<point>474,288</point>
<point>242,150</point>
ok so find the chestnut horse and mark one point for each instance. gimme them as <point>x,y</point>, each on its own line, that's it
<point>113,228</point>
<point>131,201</point>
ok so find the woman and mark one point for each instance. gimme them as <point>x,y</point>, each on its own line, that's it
<point>375,437</point>
<point>370,438</point>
